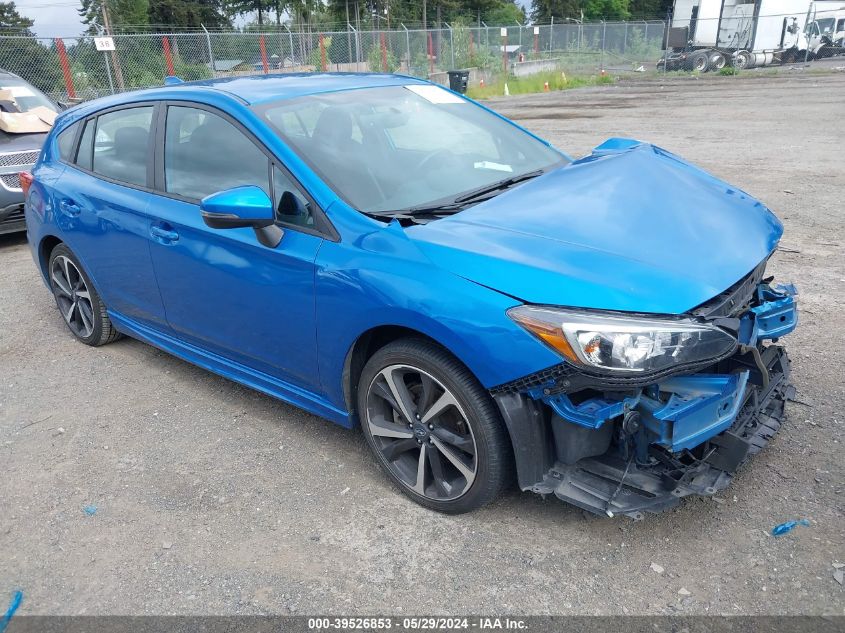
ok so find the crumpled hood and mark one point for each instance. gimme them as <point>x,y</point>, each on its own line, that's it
<point>630,227</point>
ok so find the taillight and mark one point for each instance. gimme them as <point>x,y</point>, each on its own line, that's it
<point>26,180</point>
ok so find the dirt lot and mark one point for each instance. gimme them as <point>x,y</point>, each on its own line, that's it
<point>211,498</point>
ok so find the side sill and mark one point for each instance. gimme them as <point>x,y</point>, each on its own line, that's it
<point>233,371</point>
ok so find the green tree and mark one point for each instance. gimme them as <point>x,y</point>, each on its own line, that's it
<point>12,21</point>
<point>124,15</point>
<point>165,15</point>
<point>542,11</point>
<point>35,62</point>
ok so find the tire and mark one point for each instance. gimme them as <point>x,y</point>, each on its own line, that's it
<point>742,60</point>
<point>717,61</point>
<point>457,460</point>
<point>700,61</point>
<point>83,311</point>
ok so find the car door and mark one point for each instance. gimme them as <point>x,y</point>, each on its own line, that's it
<point>101,203</point>
<point>222,289</point>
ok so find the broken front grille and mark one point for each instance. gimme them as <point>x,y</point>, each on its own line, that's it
<point>736,299</point>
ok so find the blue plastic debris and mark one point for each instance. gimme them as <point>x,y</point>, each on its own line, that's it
<point>90,510</point>
<point>13,606</point>
<point>784,528</point>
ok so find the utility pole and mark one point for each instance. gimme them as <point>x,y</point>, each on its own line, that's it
<point>107,25</point>
<point>425,15</point>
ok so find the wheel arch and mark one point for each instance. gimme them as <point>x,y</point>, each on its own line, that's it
<point>367,344</point>
<point>45,247</point>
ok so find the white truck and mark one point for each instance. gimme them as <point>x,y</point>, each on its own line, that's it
<point>710,34</point>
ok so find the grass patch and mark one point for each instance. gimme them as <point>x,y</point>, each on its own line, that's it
<point>536,83</point>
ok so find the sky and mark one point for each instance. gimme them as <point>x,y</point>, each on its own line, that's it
<point>59,18</point>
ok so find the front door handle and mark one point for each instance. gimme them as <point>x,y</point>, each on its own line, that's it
<point>69,207</point>
<point>164,234</point>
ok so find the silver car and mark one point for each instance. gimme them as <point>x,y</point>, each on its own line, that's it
<point>18,151</point>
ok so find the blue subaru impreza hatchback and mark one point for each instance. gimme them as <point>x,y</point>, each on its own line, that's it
<point>386,253</point>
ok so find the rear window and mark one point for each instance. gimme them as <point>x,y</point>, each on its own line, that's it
<point>65,142</point>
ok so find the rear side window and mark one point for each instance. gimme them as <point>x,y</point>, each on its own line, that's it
<point>120,144</point>
<point>86,145</point>
<point>65,142</point>
<point>204,154</point>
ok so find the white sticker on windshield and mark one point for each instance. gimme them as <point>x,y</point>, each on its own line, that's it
<point>435,94</point>
<point>486,164</point>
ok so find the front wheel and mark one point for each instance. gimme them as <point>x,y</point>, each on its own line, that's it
<point>433,428</point>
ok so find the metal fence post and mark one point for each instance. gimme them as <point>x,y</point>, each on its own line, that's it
<point>290,39</point>
<point>407,46</point>
<point>603,36</point>
<point>210,54</point>
<point>625,40</point>
<point>551,35</point>
<point>519,26</point>
<point>451,43</point>
<point>357,50</point>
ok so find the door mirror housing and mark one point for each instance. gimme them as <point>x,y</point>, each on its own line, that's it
<point>240,207</point>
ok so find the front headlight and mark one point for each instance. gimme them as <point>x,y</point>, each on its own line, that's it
<point>623,344</point>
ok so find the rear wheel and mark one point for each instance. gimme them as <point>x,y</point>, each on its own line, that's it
<point>78,302</point>
<point>432,427</point>
<point>717,60</point>
<point>701,61</point>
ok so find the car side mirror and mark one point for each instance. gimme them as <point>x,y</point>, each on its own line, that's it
<point>240,207</point>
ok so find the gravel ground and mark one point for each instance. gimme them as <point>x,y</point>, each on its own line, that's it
<point>211,498</point>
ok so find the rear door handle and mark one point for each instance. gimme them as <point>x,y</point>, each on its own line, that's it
<point>69,207</point>
<point>164,234</point>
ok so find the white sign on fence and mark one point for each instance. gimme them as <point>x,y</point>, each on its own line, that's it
<point>104,43</point>
<point>503,31</point>
<point>536,30</point>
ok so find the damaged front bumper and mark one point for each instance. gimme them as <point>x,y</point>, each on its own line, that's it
<point>612,446</point>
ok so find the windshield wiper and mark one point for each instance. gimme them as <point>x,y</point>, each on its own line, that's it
<point>459,203</point>
<point>497,186</point>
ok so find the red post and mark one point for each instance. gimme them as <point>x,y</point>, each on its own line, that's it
<point>263,48</point>
<point>430,56</point>
<point>323,64</point>
<point>168,58</point>
<point>383,53</point>
<point>63,62</point>
<point>536,44</point>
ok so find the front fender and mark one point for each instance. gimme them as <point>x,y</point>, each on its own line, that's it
<point>382,279</point>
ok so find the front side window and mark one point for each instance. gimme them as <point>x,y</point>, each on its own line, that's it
<point>399,147</point>
<point>204,154</point>
<point>120,144</point>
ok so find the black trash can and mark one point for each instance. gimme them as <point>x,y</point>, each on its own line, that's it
<point>458,80</point>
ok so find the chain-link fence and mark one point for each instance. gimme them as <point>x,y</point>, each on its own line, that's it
<point>68,68</point>
<point>75,68</point>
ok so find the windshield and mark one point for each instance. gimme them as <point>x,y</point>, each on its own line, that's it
<point>821,26</point>
<point>18,96</point>
<point>400,147</point>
